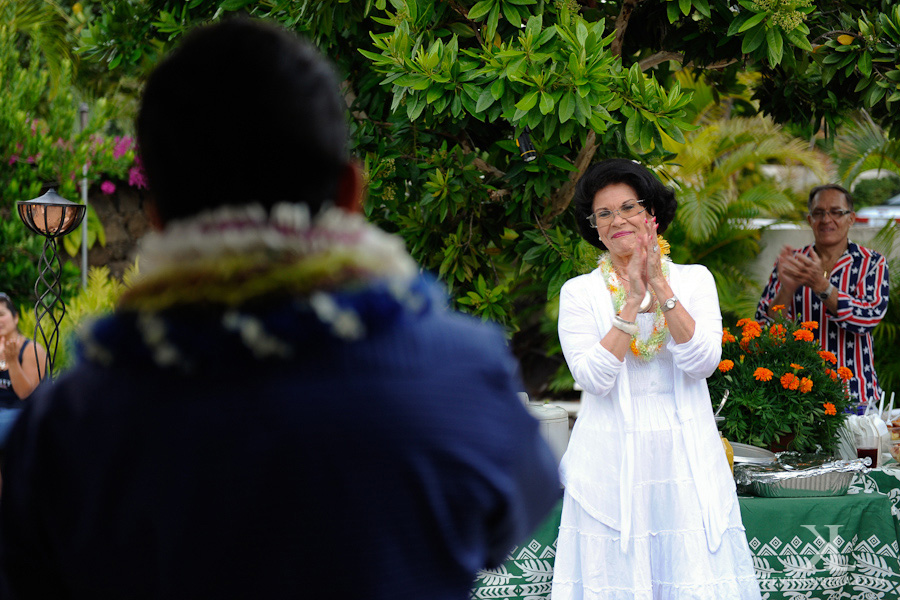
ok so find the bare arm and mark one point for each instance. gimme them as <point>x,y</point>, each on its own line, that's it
<point>681,323</point>
<point>26,375</point>
<point>789,271</point>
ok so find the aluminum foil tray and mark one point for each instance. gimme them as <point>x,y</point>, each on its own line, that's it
<point>798,476</point>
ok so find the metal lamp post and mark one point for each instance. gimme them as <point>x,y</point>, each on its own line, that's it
<point>51,216</point>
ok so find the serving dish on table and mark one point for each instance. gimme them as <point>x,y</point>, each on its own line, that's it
<point>794,475</point>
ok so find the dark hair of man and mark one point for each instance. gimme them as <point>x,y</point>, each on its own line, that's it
<point>659,200</point>
<point>9,305</point>
<point>241,112</point>
<point>829,186</point>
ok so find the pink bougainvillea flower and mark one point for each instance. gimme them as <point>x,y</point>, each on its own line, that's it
<point>136,176</point>
<point>122,146</point>
<point>108,187</point>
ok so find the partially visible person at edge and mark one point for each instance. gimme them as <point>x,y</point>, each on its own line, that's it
<point>650,508</point>
<point>836,283</point>
<point>19,367</point>
<point>283,407</point>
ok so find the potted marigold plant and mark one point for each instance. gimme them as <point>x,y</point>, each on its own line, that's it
<point>786,393</point>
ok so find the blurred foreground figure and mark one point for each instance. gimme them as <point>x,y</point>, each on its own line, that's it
<point>282,407</point>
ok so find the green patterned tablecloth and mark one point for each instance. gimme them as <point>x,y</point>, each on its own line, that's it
<point>843,548</point>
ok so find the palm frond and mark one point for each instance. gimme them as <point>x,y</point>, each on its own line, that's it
<point>46,24</point>
<point>862,147</point>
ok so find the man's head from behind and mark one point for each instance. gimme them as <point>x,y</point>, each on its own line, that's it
<point>242,112</point>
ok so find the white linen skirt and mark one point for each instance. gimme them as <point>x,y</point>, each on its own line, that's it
<point>667,559</point>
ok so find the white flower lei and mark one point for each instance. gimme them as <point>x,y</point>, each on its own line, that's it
<point>234,255</point>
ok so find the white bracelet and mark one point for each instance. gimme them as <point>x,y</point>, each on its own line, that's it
<point>629,327</point>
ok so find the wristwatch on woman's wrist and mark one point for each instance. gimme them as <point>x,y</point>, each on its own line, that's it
<point>826,292</point>
<point>669,304</point>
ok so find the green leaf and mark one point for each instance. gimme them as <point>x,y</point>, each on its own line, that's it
<point>546,103</point>
<point>492,20</point>
<point>566,130</point>
<point>865,64</point>
<point>462,30</point>
<point>774,45</point>
<point>485,100</point>
<point>414,106</point>
<point>672,11</point>
<point>567,106</point>
<point>753,40</point>
<point>512,15</point>
<point>560,162</point>
<point>481,8</point>
<point>433,93</point>
<point>546,35</point>
<point>738,21</point>
<point>752,22</point>
<point>702,7</point>
<point>527,102</point>
<point>234,4</point>
<point>497,89</point>
<point>633,130</point>
<point>799,40</point>
<point>685,6</point>
<point>647,131</point>
<point>581,32</point>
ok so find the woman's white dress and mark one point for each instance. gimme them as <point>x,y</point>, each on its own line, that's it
<point>667,552</point>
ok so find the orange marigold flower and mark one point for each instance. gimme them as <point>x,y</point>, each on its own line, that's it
<point>789,381</point>
<point>796,366</point>
<point>727,337</point>
<point>806,384</point>
<point>809,325</point>
<point>752,333</point>
<point>828,356</point>
<point>845,373</point>
<point>726,365</point>
<point>777,330</point>
<point>743,322</point>
<point>830,408</point>
<point>762,374</point>
<point>778,307</point>
<point>831,373</point>
<point>804,335</point>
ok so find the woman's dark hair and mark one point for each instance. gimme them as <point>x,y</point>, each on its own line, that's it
<point>242,112</point>
<point>4,299</point>
<point>659,200</point>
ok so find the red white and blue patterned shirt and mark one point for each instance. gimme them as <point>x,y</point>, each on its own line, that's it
<point>860,277</point>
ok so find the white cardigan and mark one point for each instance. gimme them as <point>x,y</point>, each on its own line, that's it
<point>598,470</point>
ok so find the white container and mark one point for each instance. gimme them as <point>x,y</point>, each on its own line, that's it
<point>554,426</point>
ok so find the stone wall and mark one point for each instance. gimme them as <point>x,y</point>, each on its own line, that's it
<point>125,221</point>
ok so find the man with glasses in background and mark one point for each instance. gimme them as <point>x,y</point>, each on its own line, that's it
<point>838,284</point>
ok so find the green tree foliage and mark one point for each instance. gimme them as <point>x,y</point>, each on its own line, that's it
<point>43,146</point>
<point>441,93</point>
<point>99,298</point>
